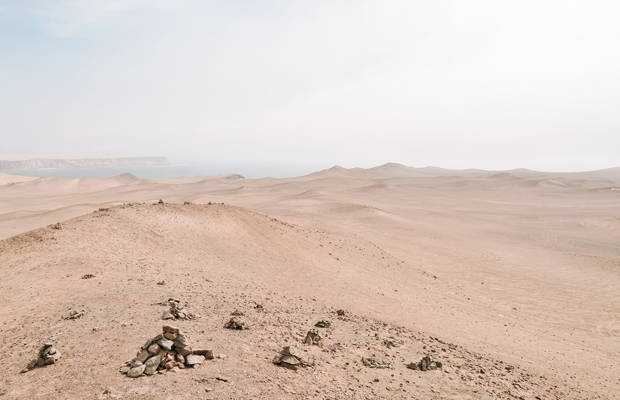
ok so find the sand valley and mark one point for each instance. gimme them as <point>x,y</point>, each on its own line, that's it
<point>510,279</point>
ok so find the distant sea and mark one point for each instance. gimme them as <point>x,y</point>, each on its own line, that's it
<point>164,171</point>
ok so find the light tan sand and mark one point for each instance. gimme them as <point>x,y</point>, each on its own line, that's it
<point>521,267</point>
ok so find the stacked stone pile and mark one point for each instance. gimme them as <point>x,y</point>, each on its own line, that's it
<point>47,355</point>
<point>176,311</point>
<point>287,358</point>
<point>426,364</point>
<point>313,338</point>
<point>168,351</point>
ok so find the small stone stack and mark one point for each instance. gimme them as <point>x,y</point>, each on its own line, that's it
<point>169,351</point>
<point>176,311</point>
<point>426,364</point>
<point>47,355</point>
<point>287,358</point>
<point>313,338</point>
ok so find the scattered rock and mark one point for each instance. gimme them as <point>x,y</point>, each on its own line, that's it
<point>221,378</point>
<point>340,313</point>
<point>161,283</point>
<point>75,314</point>
<point>375,363</point>
<point>55,226</point>
<point>104,209</point>
<point>160,201</point>
<point>188,203</point>
<point>161,353</point>
<point>48,354</point>
<point>88,276</point>
<point>323,324</point>
<point>236,323</point>
<point>313,338</point>
<point>237,313</point>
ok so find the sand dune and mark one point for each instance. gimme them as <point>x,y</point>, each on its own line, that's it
<point>516,266</point>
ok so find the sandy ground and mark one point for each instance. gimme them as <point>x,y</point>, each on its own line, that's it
<point>517,268</point>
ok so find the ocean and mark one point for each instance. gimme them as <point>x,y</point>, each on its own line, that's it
<point>167,171</point>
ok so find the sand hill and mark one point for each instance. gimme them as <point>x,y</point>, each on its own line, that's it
<point>509,279</point>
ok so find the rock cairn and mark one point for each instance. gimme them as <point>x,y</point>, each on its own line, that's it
<point>176,311</point>
<point>75,314</point>
<point>47,355</point>
<point>169,351</point>
<point>236,323</point>
<point>287,359</point>
<point>426,364</point>
<point>313,338</point>
<point>323,324</point>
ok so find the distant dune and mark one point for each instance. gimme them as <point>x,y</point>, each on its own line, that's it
<point>509,278</point>
<point>37,162</point>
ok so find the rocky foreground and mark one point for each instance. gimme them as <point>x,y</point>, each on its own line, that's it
<point>257,340</point>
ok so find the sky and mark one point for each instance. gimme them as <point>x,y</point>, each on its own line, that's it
<point>311,84</point>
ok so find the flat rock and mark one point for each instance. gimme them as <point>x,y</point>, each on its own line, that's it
<point>167,315</point>
<point>194,359</point>
<point>170,335</point>
<point>184,351</point>
<point>165,343</point>
<point>136,372</point>
<point>144,354</point>
<point>152,364</point>
<point>154,349</point>
<point>180,340</point>
<point>170,328</point>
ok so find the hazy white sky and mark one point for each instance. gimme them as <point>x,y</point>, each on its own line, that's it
<point>490,84</point>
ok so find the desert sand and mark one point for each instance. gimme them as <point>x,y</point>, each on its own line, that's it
<point>509,278</point>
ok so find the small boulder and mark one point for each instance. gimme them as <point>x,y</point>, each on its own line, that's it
<point>136,372</point>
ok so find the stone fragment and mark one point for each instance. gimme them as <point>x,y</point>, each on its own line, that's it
<point>194,359</point>
<point>170,364</point>
<point>184,351</point>
<point>135,363</point>
<point>136,372</point>
<point>340,313</point>
<point>32,364</point>
<point>221,378</point>
<point>40,362</point>
<point>167,315</point>
<point>144,354</point>
<point>204,352</point>
<point>180,359</point>
<point>124,369</point>
<point>170,328</point>
<point>170,335</point>
<point>154,349</point>
<point>152,364</point>
<point>88,276</point>
<point>165,343</point>
<point>180,340</point>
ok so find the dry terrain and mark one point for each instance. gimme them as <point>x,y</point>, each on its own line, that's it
<point>509,279</point>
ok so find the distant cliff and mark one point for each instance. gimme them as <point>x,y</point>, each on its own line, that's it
<point>42,162</point>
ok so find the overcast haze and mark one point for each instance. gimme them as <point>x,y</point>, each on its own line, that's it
<point>310,84</point>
